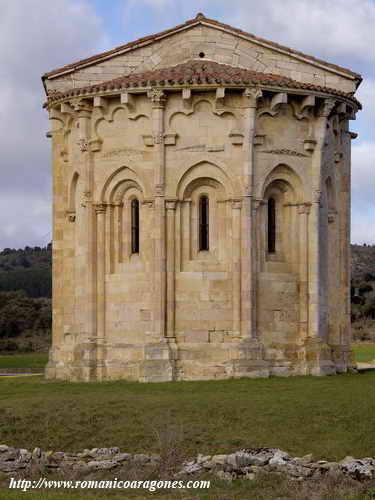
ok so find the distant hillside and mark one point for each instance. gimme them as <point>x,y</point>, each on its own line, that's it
<point>27,269</point>
<point>25,299</point>
<point>30,269</point>
<point>363,263</point>
<point>26,285</point>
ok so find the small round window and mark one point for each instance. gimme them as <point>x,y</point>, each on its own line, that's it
<point>201,54</point>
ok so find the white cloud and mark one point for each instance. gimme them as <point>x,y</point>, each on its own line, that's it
<point>363,189</point>
<point>338,28</point>
<point>36,36</point>
<point>333,29</point>
<point>366,117</point>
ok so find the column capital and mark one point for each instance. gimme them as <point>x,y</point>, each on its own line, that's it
<point>256,203</point>
<point>236,204</point>
<point>82,107</point>
<point>327,107</point>
<point>100,208</point>
<point>157,97</point>
<point>303,208</point>
<point>118,203</point>
<point>83,144</point>
<point>170,204</point>
<point>317,196</point>
<point>159,189</point>
<point>251,95</point>
<point>71,215</point>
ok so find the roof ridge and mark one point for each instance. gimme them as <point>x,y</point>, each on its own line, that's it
<point>199,19</point>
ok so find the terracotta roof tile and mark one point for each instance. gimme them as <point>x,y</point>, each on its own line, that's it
<point>200,18</point>
<point>196,73</point>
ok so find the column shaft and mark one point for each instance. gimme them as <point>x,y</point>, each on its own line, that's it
<point>315,314</point>
<point>248,262</point>
<point>171,211</point>
<point>236,266</point>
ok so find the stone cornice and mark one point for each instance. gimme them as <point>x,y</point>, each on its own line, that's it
<point>200,75</point>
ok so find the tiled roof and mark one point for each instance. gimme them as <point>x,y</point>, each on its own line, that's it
<point>199,19</point>
<point>197,73</point>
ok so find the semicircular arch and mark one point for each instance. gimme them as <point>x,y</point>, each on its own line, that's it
<point>116,179</point>
<point>283,175</point>
<point>204,168</point>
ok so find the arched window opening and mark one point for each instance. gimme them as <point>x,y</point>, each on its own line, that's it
<point>271,225</point>
<point>135,225</point>
<point>204,223</point>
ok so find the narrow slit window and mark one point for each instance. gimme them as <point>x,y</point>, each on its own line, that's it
<point>135,225</point>
<point>271,225</point>
<point>203,223</point>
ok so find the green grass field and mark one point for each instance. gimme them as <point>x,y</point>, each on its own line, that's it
<point>32,361</point>
<point>330,417</point>
<point>364,353</point>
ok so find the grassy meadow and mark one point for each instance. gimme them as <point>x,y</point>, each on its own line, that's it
<point>34,362</point>
<point>330,417</point>
<point>364,353</point>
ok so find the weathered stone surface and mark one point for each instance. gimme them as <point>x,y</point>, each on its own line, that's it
<point>239,464</point>
<point>12,466</point>
<point>102,464</point>
<point>173,297</point>
<point>359,469</point>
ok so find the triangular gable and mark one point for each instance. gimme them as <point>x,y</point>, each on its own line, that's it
<point>207,38</point>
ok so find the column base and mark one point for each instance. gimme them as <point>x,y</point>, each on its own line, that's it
<point>323,359</point>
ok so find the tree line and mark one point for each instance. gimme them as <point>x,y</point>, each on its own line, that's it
<point>25,298</point>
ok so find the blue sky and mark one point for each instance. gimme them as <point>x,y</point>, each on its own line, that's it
<point>37,36</point>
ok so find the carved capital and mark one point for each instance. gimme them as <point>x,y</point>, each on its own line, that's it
<point>236,204</point>
<point>303,208</point>
<point>82,107</point>
<point>170,204</point>
<point>159,189</point>
<point>158,137</point>
<point>71,215</point>
<point>317,196</point>
<point>86,197</point>
<point>251,95</point>
<point>157,97</point>
<point>100,208</point>
<point>83,144</point>
<point>327,107</point>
